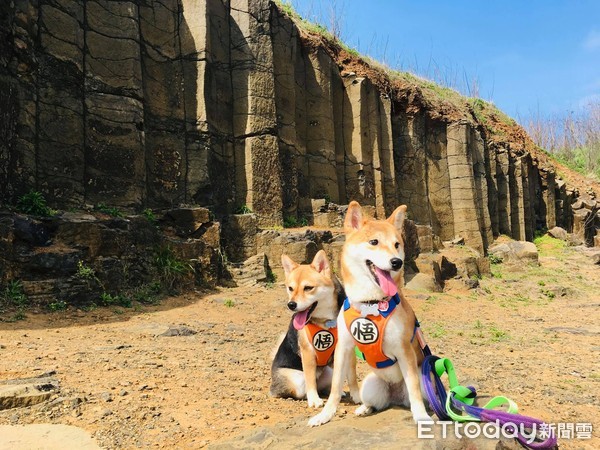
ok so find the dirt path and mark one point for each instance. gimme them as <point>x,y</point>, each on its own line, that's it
<point>530,333</point>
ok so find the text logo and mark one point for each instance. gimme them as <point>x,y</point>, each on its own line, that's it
<point>322,340</point>
<point>364,330</point>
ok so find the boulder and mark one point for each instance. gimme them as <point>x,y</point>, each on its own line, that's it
<point>428,241</point>
<point>516,252</point>
<point>462,261</point>
<point>24,392</point>
<point>187,220</point>
<point>251,271</point>
<point>422,282</point>
<point>428,264</point>
<point>239,236</point>
<point>559,233</point>
<point>580,217</point>
<point>301,246</point>
<point>589,203</point>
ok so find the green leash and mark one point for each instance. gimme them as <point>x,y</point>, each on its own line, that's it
<point>467,394</point>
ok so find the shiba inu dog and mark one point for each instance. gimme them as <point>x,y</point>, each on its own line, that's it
<point>302,365</point>
<point>376,318</point>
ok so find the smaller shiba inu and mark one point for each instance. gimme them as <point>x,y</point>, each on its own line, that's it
<point>377,319</point>
<point>302,365</point>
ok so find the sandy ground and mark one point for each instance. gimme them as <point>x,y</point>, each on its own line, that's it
<point>531,333</point>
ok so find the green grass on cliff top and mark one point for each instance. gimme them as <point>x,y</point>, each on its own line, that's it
<point>484,112</point>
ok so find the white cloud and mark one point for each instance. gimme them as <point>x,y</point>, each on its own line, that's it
<point>592,40</point>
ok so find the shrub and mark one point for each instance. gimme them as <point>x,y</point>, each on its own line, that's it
<point>147,293</point>
<point>107,299</point>
<point>293,222</point>
<point>13,295</point>
<point>34,203</point>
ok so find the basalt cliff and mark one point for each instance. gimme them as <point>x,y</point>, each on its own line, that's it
<point>234,105</point>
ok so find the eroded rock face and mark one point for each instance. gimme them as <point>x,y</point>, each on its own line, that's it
<point>46,254</point>
<point>227,104</point>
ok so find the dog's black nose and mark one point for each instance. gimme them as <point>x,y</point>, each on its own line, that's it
<point>396,263</point>
<point>292,305</point>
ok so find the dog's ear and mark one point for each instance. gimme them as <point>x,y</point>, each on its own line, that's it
<point>288,264</point>
<point>321,264</point>
<point>354,217</point>
<point>397,217</point>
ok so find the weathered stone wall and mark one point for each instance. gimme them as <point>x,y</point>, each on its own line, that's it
<point>222,103</point>
<point>123,252</point>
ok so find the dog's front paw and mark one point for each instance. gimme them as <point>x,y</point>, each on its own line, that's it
<point>314,401</point>
<point>322,418</point>
<point>363,410</point>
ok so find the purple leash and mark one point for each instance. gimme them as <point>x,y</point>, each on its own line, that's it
<point>462,398</point>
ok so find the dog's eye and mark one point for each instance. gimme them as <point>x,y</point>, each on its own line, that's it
<point>290,288</point>
<point>373,242</point>
<point>397,244</point>
<point>308,288</point>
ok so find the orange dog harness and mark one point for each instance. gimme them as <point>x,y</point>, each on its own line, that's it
<point>323,341</point>
<point>367,331</point>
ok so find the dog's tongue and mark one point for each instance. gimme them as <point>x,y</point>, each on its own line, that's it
<point>300,319</point>
<point>386,283</point>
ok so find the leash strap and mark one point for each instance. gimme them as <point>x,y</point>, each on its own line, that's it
<point>458,405</point>
<point>465,395</point>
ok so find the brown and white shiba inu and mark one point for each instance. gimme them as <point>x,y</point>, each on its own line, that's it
<point>376,318</point>
<point>302,365</point>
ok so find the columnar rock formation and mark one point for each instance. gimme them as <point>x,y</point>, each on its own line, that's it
<point>226,103</point>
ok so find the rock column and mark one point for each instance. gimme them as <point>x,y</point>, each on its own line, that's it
<point>462,189</point>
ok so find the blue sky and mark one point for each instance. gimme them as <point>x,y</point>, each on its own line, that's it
<point>524,55</point>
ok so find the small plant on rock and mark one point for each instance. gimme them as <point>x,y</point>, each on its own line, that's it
<point>495,259</point>
<point>244,209</point>
<point>34,203</point>
<point>110,210</point>
<point>85,272</point>
<point>13,297</point>
<point>59,305</point>
<point>271,279</point>
<point>149,215</point>
<point>107,299</point>
<point>171,269</point>
<point>293,222</point>
<point>147,293</point>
